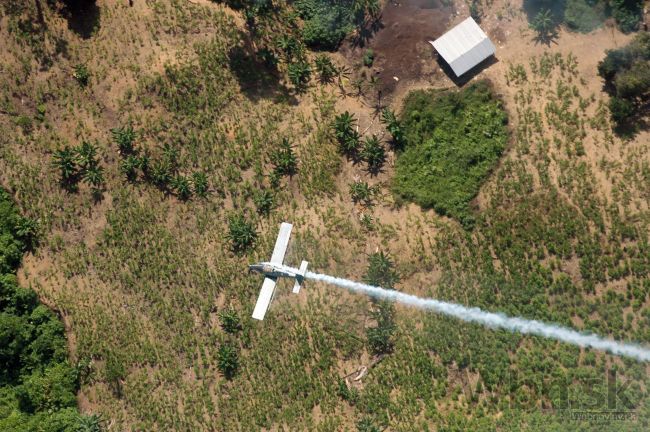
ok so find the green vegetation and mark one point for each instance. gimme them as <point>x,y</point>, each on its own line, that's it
<point>453,141</point>
<point>346,134</point>
<point>627,74</point>
<point>374,153</point>
<point>561,234</point>
<point>327,22</point>
<point>37,384</point>
<point>81,74</point>
<point>583,15</point>
<point>242,233</point>
<point>79,163</point>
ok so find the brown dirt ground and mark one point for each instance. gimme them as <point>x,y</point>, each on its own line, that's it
<point>401,44</point>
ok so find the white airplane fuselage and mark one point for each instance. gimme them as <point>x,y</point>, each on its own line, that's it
<point>274,271</point>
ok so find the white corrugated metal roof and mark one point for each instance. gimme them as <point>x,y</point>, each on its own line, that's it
<point>464,46</point>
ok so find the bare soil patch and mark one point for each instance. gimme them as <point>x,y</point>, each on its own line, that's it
<point>401,45</point>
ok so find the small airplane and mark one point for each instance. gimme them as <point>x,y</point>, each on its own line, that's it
<point>274,269</point>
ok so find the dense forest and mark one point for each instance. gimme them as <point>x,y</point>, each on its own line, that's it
<point>38,385</point>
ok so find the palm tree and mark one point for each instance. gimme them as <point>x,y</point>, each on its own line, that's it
<point>394,127</point>
<point>86,155</point>
<point>124,137</point>
<point>242,234</point>
<point>325,68</point>
<point>361,192</point>
<point>129,167</point>
<point>227,360</point>
<point>170,156</point>
<point>94,176</point>
<point>344,124</point>
<point>544,25</point>
<point>284,159</point>
<point>264,201</point>
<point>182,187</point>
<point>373,153</point>
<point>299,73</point>
<point>64,160</point>
<point>200,183</point>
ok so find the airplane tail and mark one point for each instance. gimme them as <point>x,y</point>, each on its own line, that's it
<point>300,277</point>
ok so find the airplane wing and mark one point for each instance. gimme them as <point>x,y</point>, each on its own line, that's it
<point>268,287</point>
<point>281,243</point>
<point>264,299</point>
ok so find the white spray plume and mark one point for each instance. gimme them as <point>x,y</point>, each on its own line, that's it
<point>490,319</point>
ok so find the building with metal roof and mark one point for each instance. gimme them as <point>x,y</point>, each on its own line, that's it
<point>464,46</point>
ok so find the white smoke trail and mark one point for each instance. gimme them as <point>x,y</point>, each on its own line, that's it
<point>490,319</point>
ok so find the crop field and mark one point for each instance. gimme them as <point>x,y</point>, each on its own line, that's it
<point>159,146</point>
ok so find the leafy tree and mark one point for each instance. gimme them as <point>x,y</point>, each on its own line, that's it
<point>52,389</point>
<point>124,137</point>
<point>284,159</point>
<point>448,154</point>
<point>227,360</point>
<point>241,233</point>
<point>299,73</point>
<point>200,183</point>
<point>373,153</point>
<point>264,201</point>
<point>230,321</point>
<point>622,110</point>
<point>627,14</point>
<point>381,272</point>
<point>64,160</point>
<point>325,68</point>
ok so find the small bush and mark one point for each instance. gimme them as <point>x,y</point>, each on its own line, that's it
<point>227,360</point>
<point>241,233</point>
<point>82,75</point>
<point>368,58</point>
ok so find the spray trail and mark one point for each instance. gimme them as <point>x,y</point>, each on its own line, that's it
<point>490,319</point>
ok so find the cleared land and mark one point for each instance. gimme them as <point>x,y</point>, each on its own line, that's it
<point>141,276</point>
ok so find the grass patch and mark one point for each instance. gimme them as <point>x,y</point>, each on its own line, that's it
<point>453,141</point>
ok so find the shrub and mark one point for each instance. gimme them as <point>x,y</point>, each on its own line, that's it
<point>241,233</point>
<point>373,153</point>
<point>81,74</point>
<point>299,73</point>
<point>284,159</point>
<point>584,15</point>
<point>326,22</point>
<point>200,184</point>
<point>325,68</point>
<point>227,360</point>
<point>230,320</point>
<point>368,57</point>
<point>264,201</point>
<point>124,137</point>
<point>448,153</point>
<point>627,14</point>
